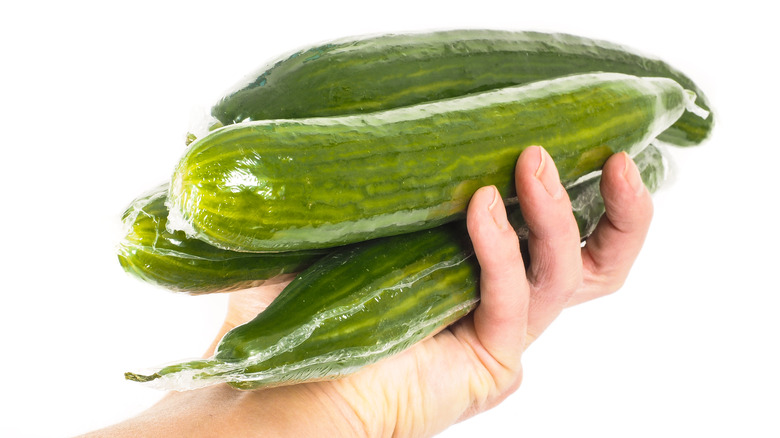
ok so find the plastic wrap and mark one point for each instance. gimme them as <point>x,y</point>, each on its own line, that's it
<point>587,203</point>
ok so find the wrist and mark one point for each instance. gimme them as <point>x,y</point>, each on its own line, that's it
<point>286,411</point>
<point>220,410</point>
<point>302,410</point>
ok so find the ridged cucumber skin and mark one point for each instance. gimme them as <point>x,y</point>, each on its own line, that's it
<point>169,259</point>
<point>360,75</point>
<point>152,253</point>
<point>280,185</point>
<point>363,303</point>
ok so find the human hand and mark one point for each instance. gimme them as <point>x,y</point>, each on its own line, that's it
<point>472,365</point>
<point>476,363</point>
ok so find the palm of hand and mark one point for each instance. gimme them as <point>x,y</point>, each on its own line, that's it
<point>433,384</point>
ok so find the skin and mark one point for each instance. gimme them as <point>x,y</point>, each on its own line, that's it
<point>463,370</point>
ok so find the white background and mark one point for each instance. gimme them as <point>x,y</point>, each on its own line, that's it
<point>95,99</point>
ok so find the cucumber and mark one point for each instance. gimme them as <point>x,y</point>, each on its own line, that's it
<point>349,309</point>
<point>360,75</point>
<point>281,185</point>
<point>360,304</point>
<point>150,252</point>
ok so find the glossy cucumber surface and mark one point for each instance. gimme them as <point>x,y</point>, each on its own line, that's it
<point>281,185</point>
<point>360,75</point>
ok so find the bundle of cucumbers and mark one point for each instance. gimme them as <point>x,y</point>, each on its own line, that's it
<point>352,163</point>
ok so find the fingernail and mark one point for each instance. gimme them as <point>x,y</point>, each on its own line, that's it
<point>547,174</point>
<point>498,214</point>
<point>632,176</point>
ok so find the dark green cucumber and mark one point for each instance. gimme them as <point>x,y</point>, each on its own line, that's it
<point>279,185</point>
<point>351,308</point>
<point>359,75</point>
<point>362,304</point>
<point>149,251</point>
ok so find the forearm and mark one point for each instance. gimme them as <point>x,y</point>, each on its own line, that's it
<point>223,411</point>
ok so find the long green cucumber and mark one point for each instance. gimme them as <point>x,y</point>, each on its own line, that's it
<point>359,75</point>
<point>149,251</point>
<point>361,304</point>
<point>279,185</point>
<point>152,253</point>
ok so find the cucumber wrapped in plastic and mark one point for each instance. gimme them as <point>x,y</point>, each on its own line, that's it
<point>365,302</point>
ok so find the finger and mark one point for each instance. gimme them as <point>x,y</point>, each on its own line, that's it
<point>555,269</point>
<point>613,247</point>
<point>500,319</point>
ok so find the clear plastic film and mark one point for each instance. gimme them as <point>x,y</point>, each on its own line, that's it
<point>201,124</point>
<point>587,203</point>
